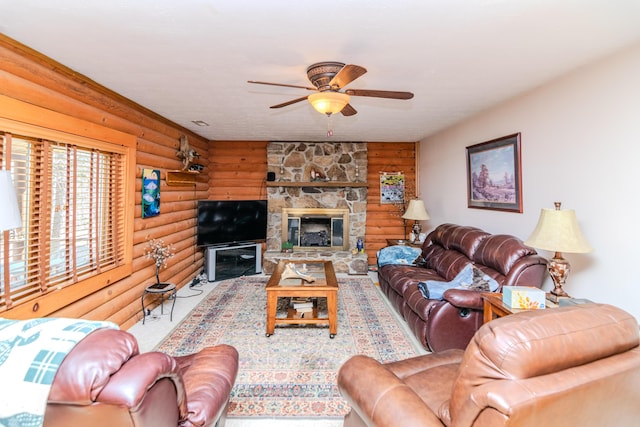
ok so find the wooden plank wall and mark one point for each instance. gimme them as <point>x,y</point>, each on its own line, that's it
<point>237,170</point>
<point>31,77</point>
<point>384,221</point>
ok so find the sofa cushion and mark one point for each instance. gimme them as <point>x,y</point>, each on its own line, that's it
<point>450,263</point>
<point>500,252</point>
<point>459,238</point>
<point>400,276</point>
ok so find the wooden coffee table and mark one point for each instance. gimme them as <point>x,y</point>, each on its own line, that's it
<point>324,286</point>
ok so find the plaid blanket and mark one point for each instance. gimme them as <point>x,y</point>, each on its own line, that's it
<point>30,353</point>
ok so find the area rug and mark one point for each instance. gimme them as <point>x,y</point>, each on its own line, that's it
<point>293,372</point>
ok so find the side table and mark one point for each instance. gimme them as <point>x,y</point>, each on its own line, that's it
<point>494,307</point>
<point>161,288</point>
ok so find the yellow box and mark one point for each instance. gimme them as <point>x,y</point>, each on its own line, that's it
<point>525,297</point>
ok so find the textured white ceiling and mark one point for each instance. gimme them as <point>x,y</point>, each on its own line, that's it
<point>191,59</point>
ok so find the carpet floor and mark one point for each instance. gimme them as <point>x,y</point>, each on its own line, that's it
<point>293,372</point>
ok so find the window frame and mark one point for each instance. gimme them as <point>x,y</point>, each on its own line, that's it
<point>21,118</point>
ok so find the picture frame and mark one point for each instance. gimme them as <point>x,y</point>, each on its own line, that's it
<point>494,174</point>
<point>391,188</point>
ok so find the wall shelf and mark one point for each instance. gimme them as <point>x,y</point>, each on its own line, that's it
<point>315,184</point>
<point>181,177</point>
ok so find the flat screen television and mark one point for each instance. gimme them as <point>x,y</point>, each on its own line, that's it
<point>231,221</point>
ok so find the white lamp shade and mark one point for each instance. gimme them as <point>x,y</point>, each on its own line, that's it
<point>329,102</point>
<point>416,211</point>
<point>9,214</point>
<point>558,231</point>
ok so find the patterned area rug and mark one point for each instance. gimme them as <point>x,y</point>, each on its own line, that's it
<point>293,372</point>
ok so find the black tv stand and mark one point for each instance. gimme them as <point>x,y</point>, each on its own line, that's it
<point>233,260</point>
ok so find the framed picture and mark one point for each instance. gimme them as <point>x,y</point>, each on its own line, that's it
<point>391,187</point>
<point>150,193</point>
<point>494,176</point>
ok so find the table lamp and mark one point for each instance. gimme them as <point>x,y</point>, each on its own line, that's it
<point>10,213</point>
<point>417,212</point>
<point>558,231</point>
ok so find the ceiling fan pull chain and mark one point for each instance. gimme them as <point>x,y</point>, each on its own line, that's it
<point>329,126</point>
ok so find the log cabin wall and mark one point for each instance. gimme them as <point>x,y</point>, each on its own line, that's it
<point>237,171</point>
<point>29,76</point>
<point>384,220</point>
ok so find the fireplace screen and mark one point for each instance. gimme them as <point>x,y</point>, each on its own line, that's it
<point>315,228</point>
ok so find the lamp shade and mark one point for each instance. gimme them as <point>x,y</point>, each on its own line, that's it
<point>558,231</point>
<point>416,211</point>
<point>9,214</point>
<point>329,102</point>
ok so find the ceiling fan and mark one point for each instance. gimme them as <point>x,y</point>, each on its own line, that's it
<point>329,79</point>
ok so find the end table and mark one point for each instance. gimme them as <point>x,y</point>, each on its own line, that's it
<point>161,288</point>
<point>495,308</point>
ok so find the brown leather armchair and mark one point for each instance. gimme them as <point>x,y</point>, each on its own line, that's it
<point>104,381</point>
<point>571,366</point>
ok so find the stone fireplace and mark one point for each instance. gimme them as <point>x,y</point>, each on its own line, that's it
<point>317,202</point>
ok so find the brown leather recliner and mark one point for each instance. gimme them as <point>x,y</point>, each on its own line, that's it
<point>105,381</point>
<point>571,366</point>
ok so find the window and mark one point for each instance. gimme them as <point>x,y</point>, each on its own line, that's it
<point>76,236</point>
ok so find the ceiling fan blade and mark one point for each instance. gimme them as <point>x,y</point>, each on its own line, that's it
<point>379,93</point>
<point>293,101</point>
<point>348,110</point>
<point>282,84</point>
<point>346,75</point>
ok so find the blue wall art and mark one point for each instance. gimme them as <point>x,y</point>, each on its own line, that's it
<point>150,193</point>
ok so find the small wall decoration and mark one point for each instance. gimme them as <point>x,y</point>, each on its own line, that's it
<point>494,176</point>
<point>187,154</point>
<point>391,187</point>
<point>150,193</point>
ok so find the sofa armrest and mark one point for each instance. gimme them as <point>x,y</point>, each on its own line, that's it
<point>129,385</point>
<point>208,376</point>
<point>380,398</point>
<point>464,298</point>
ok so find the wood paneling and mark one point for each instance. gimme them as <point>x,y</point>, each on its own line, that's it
<point>31,77</point>
<point>384,221</point>
<point>237,170</point>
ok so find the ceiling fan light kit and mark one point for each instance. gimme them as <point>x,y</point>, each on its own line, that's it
<point>329,79</point>
<point>329,102</point>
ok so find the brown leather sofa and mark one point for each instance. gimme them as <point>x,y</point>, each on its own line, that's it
<point>105,381</point>
<point>571,366</point>
<point>452,321</point>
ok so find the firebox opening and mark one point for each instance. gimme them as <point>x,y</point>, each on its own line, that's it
<point>316,228</point>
